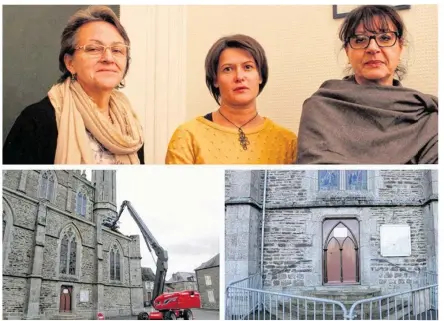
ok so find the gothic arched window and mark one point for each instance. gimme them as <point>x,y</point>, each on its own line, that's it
<point>114,263</point>
<point>47,185</point>
<point>68,253</point>
<point>81,202</point>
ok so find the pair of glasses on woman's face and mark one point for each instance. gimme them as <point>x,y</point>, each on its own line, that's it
<point>385,39</point>
<point>96,50</point>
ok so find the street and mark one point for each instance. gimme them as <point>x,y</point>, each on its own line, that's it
<point>199,314</point>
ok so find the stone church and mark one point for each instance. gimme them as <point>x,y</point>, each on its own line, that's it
<point>59,260</point>
<point>308,231</point>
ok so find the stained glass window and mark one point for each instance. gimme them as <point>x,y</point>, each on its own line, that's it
<point>356,180</point>
<point>72,257</point>
<point>79,203</point>
<point>64,254</point>
<point>114,263</point>
<point>328,180</point>
<point>111,265</point>
<point>118,266</point>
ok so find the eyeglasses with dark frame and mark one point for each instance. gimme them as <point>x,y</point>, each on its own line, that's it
<point>384,39</point>
<point>96,50</point>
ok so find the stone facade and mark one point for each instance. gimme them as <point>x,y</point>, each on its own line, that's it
<point>296,208</point>
<point>208,279</point>
<point>42,210</point>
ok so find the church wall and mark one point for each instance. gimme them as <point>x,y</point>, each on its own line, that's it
<point>24,205</point>
<point>25,211</point>
<point>117,300</point>
<point>49,299</point>
<point>88,265</point>
<point>296,209</point>
<point>50,257</point>
<point>293,228</point>
<point>11,179</point>
<point>13,303</point>
<point>21,253</point>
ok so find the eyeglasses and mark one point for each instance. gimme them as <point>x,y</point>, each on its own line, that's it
<point>97,50</point>
<point>386,39</point>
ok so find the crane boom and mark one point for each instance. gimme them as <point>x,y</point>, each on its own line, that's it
<point>151,242</point>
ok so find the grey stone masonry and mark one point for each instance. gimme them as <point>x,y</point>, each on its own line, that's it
<point>295,211</point>
<point>242,220</point>
<point>35,224</point>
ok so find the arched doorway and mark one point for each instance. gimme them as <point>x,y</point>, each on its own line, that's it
<point>65,298</point>
<point>340,251</point>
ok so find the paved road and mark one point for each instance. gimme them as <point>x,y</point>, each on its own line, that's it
<point>199,314</point>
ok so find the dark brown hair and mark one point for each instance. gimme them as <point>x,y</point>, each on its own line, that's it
<point>234,41</point>
<point>81,17</point>
<point>365,15</point>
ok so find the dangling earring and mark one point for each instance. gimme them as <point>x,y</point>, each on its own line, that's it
<point>73,77</point>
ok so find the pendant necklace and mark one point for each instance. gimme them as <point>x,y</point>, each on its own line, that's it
<point>243,140</point>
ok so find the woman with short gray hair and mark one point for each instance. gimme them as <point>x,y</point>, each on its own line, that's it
<point>84,119</point>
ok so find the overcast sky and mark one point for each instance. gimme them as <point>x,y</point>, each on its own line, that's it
<point>182,206</point>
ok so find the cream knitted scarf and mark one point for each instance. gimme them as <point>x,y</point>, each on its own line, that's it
<point>75,111</point>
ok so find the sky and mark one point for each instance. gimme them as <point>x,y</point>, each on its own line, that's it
<point>183,207</point>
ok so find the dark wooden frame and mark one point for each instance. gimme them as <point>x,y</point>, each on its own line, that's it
<point>325,243</point>
<point>340,15</point>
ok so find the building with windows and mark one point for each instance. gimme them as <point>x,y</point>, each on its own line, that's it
<point>181,281</point>
<point>207,275</point>
<point>309,231</point>
<point>59,260</point>
<point>148,278</point>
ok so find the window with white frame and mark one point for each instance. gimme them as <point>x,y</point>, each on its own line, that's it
<point>348,180</point>
<point>211,296</point>
<point>207,280</point>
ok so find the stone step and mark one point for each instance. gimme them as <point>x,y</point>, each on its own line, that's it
<point>350,293</point>
<point>67,316</point>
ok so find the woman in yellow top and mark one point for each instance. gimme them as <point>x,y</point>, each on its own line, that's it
<point>236,73</point>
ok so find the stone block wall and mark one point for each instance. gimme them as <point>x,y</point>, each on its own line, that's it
<point>203,288</point>
<point>295,211</point>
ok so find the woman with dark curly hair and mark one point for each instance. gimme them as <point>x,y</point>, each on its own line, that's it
<point>369,117</point>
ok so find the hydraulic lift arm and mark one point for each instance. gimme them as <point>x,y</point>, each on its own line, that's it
<point>151,242</point>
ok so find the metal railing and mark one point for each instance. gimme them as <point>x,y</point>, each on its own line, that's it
<point>240,303</point>
<point>417,304</point>
<point>254,304</point>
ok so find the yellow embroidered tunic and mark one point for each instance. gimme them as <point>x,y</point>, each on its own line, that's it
<point>201,141</point>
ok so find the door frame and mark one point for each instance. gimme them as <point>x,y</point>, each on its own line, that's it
<point>358,256</point>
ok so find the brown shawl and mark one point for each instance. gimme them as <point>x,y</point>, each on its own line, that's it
<point>347,123</point>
